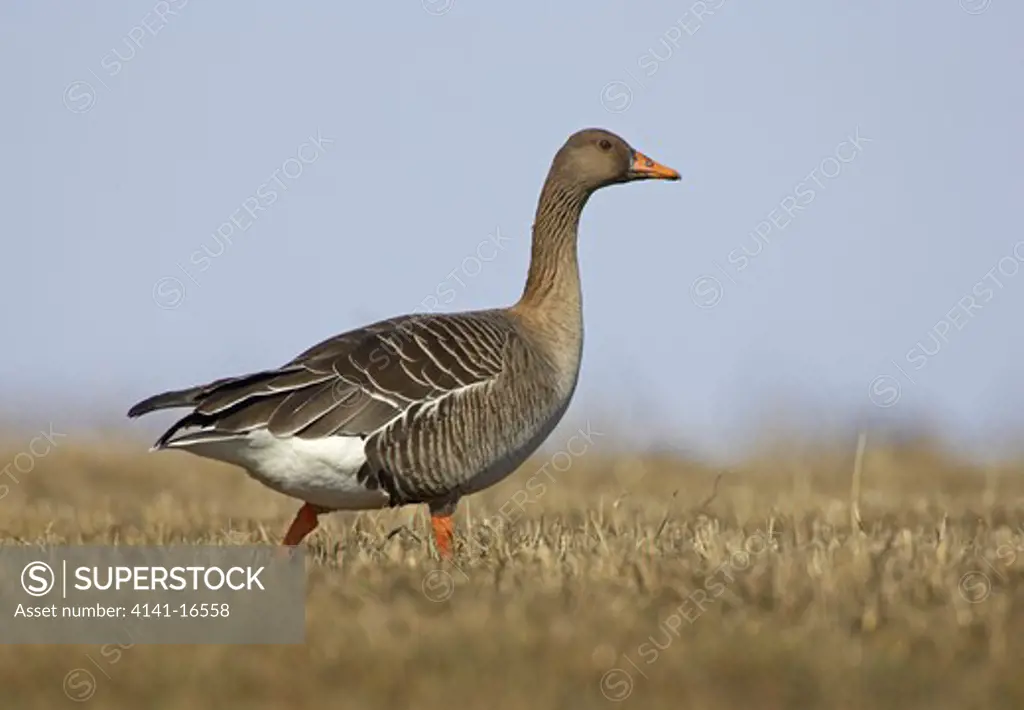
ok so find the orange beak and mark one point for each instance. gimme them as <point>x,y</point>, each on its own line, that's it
<point>644,168</point>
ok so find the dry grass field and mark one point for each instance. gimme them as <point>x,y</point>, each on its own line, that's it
<point>617,580</point>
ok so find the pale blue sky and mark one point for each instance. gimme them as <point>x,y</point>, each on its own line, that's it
<point>444,118</point>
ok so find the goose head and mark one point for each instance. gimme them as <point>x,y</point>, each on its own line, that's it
<point>594,158</point>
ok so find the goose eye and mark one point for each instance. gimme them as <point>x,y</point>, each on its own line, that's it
<point>605,144</point>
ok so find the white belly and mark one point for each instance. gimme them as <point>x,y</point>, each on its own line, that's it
<point>318,471</point>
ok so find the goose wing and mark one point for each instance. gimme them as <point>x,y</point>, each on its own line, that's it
<point>352,384</point>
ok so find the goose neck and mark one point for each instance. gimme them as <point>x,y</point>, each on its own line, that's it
<point>553,282</point>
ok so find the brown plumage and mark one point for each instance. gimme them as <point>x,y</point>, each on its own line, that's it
<point>420,408</point>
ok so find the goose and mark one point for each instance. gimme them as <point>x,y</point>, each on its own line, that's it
<point>423,408</point>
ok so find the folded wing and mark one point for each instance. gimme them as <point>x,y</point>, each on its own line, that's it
<point>353,384</point>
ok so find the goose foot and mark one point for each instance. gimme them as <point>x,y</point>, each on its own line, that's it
<point>444,527</point>
<point>444,532</point>
<point>305,522</point>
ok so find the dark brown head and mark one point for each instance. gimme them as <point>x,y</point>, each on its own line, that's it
<point>593,158</point>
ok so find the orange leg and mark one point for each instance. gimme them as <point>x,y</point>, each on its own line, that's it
<point>444,532</point>
<point>305,522</point>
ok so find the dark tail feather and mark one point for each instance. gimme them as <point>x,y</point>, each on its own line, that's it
<point>167,400</point>
<point>193,396</point>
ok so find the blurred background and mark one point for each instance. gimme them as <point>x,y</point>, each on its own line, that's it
<point>193,191</point>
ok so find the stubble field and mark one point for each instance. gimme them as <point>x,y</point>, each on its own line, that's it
<point>587,580</point>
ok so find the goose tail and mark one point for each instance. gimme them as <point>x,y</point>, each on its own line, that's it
<point>167,400</point>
